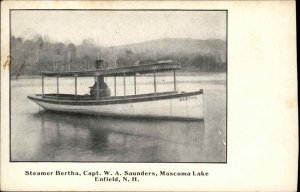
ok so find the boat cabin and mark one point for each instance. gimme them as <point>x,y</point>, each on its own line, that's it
<point>100,90</point>
<point>100,100</point>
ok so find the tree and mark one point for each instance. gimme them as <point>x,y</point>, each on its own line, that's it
<point>71,54</point>
<point>39,42</point>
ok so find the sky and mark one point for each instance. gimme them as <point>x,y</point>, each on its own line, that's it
<point>112,28</point>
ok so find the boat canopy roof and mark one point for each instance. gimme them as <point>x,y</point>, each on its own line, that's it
<point>160,66</point>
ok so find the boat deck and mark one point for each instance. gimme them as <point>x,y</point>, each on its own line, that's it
<point>87,99</point>
<point>90,98</point>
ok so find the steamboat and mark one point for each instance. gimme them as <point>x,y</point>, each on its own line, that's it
<point>101,101</point>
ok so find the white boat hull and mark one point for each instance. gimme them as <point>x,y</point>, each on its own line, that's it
<point>186,107</point>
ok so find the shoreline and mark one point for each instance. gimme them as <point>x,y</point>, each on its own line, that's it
<point>145,75</point>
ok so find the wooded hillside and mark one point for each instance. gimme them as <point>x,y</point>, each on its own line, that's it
<point>41,54</point>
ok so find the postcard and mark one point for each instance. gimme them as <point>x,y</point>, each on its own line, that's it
<point>148,96</point>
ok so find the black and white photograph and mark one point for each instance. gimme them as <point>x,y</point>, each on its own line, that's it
<point>145,95</point>
<point>140,86</point>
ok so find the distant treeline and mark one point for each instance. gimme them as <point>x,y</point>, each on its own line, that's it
<point>41,54</point>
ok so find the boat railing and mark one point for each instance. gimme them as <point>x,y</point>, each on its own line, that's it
<point>89,97</point>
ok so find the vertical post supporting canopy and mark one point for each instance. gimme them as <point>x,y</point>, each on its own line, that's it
<point>42,86</point>
<point>75,86</point>
<point>115,85</point>
<point>98,89</point>
<point>57,86</point>
<point>154,75</point>
<point>174,74</point>
<point>134,84</point>
<point>124,84</point>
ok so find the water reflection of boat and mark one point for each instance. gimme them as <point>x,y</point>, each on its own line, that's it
<point>116,139</point>
<point>173,104</point>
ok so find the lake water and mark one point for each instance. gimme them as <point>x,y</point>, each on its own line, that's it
<point>39,135</point>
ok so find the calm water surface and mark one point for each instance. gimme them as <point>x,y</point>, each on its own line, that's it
<point>39,135</point>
